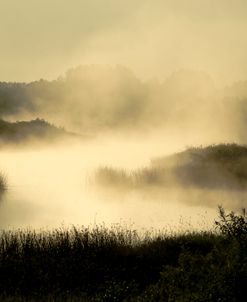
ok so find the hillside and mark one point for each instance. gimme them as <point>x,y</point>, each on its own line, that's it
<point>216,166</point>
<point>100,98</point>
<point>34,130</point>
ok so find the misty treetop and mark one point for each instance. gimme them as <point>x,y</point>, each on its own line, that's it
<point>96,98</point>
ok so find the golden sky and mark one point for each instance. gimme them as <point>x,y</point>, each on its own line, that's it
<point>43,38</point>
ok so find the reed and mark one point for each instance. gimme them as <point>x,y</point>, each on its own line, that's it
<point>118,264</point>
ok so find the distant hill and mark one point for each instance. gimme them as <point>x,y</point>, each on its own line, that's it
<point>216,166</point>
<point>211,166</point>
<point>97,99</point>
<point>94,98</point>
<point>88,98</point>
<point>34,130</point>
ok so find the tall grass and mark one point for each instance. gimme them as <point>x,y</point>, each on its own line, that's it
<point>118,264</point>
<point>216,166</point>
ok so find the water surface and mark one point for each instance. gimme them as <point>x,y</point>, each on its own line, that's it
<point>54,185</point>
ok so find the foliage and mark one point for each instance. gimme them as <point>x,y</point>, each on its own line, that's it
<point>96,98</point>
<point>23,131</point>
<point>216,166</point>
<point>108,176</point>
<point>118,264</point>
<point>232,224</point>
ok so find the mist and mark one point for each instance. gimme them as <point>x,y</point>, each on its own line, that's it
<point>50,187</point>
<point>94,99</point>
<point>57,135</point>
<point>123,150</point>
<point>42,39</point>
<point>120,89</point>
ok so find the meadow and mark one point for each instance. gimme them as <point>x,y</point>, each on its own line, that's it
<point>120,264</point>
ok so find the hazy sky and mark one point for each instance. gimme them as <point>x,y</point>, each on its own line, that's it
<point>43,38</point>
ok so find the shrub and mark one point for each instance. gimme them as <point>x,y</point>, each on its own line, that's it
<point>117,264</point>
<point>232,224</point>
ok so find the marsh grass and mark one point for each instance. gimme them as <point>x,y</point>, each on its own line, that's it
<point>118,264</point>
<point>213,167</point>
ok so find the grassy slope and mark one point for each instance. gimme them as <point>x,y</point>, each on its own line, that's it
<point>215,166</point>
<point>116,265</point>
<point>23,131</point>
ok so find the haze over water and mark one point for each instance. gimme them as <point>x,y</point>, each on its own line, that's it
<point>90,84</point>
<point>55,185</point>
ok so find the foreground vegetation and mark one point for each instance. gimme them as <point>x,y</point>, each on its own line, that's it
<point>212,167</point>
<point>117,264</point>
